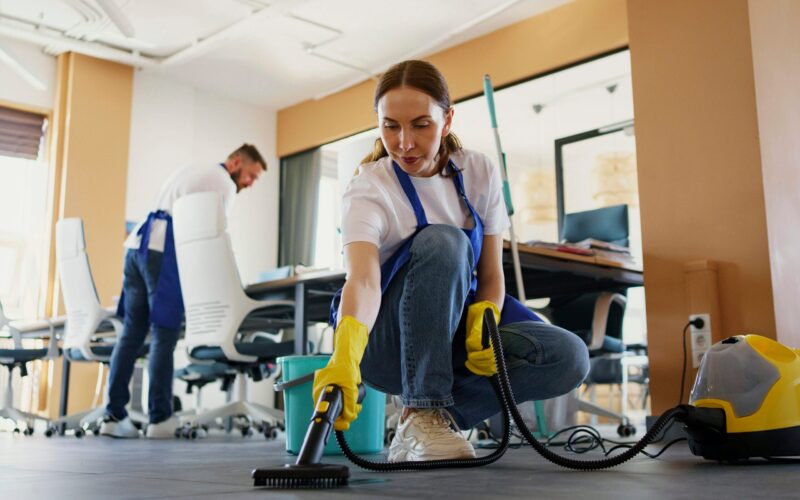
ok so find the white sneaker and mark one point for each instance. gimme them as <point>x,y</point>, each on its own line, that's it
<point>428,435</point>
<point>123,429</point>
<point>163,430</point>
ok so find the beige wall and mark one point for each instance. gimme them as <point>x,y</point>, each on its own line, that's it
<point>91,127</point>
<point>776,45</point>
<point>565,35</point>
<point>700,178</point>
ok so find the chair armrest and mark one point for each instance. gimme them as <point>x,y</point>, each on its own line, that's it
<point>117,324</point>
<point>266,304</point>
<point>52,344</point>
<point>16,336</point>
<point>252,336</point>
<point>637,348</point>
<point>602,308</point>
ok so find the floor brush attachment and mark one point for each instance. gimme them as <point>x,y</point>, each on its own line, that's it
<point>308,471</point>
<point>302,476</point>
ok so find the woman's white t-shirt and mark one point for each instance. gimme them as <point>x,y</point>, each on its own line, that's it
<point>376,209</point>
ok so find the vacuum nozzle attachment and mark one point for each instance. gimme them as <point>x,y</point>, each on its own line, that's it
<point>308,471</point>
<point>302,476</point>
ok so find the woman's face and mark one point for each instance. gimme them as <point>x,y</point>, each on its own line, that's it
<point>412,126</point>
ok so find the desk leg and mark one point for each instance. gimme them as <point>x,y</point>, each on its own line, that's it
<point>300,325</point>
<point>62,404</point>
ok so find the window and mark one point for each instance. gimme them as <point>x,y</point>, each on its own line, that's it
<point>23,205</point>
<point>328,235</point>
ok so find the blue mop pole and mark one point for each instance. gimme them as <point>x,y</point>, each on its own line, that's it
<point>541,421</point>
<point>489,93</point>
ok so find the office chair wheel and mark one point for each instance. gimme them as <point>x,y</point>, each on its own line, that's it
<point>247,431</point>
<point>50,431</point>
<point>184,432</point>
<point>269,431</point>
<point>96,431</point>
<point>15,430</point>
<point>389,436</point>
<point>79,433</point>
<point>626,430</point>
<point>28,431</point>
<point>482,434</point>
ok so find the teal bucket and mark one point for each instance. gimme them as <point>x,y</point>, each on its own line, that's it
<point>365,434</point>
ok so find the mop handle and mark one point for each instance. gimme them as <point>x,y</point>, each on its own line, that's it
<point>489,92</point>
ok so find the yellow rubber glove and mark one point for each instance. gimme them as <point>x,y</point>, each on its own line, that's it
<point>480,361</point>
<point>349,342</point>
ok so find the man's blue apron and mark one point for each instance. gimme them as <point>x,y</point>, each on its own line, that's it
<point>513,311</point>
<point>166,308</point>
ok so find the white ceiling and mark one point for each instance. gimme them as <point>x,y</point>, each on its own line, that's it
<point>271,53</point>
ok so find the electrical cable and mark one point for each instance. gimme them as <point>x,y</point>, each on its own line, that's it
<point>662,450</point>
<point>683,371</point>
<point>697,323</point>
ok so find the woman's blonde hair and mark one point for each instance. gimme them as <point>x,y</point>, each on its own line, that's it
<point>425,77</point>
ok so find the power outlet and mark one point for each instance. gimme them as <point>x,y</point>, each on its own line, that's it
<point>701,338</point>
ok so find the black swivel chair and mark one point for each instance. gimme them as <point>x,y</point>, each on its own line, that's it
<point>597,317</point>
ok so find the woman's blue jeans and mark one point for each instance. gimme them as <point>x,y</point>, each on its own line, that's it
<point>417,346</point>
<point>139,286</point>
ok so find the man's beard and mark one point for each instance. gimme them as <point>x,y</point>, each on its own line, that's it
<point>235,177</point>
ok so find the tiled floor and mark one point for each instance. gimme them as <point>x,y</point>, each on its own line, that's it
<point>219,467</point>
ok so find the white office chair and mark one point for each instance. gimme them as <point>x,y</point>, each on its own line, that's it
<point>90,330</point>
<point>18,357</point>
<point>218,312</point>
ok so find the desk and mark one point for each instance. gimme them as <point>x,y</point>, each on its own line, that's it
<point>547,273</point>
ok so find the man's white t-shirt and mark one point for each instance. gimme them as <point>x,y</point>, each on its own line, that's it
<point>376,209</point>
<point>192,179</point>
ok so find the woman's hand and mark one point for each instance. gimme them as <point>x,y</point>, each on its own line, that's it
<point>490,295</point>
<point>349,342</point>
<point>480,360</point>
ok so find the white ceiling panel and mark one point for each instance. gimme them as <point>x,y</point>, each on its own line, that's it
<point>269,53</point>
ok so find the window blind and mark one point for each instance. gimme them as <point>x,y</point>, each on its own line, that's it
<point>21,133</point>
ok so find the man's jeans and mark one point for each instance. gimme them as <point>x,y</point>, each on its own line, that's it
<point>417,346</point>
<point>139,286</point>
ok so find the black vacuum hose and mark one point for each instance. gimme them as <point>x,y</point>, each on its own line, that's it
<point>505,397</point>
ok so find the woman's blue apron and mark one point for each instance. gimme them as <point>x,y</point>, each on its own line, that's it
<point>513,311</point>
<point>166,308</point>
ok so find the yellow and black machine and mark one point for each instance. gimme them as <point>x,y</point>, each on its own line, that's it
<point>746,401</point>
